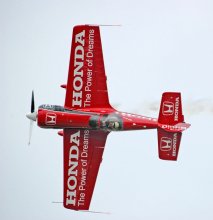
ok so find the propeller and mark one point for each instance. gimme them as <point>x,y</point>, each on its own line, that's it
<point>32,116</point>
<point>32,103</point>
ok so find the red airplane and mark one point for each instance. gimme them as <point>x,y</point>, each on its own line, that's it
<point>87,118</point>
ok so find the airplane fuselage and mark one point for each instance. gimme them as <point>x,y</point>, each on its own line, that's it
<point>53,116</point>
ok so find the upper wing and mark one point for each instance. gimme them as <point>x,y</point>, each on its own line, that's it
<point>83,150</point>
<point>86,85</point>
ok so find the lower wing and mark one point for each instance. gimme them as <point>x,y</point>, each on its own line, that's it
<point>83,150</point>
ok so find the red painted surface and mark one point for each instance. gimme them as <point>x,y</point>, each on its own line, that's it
<point>83,150</point>
<point>86,86</point>
<point>80,119</point>
<point>87,118</point>
<point>54,119</point>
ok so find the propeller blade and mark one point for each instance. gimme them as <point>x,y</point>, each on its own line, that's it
<point>30,131</point>
<point>32,116</point>
<point>32,103</point>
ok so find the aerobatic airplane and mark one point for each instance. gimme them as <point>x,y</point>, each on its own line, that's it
<point>87,118</point>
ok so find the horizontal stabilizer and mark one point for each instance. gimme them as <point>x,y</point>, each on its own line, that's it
<point>170,125</point>
<point>171,109</point>
<point>168,144</point>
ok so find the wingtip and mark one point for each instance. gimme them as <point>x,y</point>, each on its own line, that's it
<point>105,25</point>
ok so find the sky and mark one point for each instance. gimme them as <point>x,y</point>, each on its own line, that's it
<point>161,46</point>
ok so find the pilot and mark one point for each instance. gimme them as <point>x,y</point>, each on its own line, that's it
<point>113,125</point>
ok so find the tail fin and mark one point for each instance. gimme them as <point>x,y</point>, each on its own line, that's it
<point>170,126</point>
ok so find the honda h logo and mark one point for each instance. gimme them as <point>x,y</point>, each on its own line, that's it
<point>168,108</point>
<point>50,119</point>
<point>166,144</point>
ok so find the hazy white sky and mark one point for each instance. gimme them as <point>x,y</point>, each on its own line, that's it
<point>161,46</point>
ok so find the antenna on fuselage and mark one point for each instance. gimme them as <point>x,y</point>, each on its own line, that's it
<point>105,25</point>
<point>96,212</point>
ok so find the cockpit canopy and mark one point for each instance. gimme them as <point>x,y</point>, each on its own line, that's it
<point>52,107</point>
<point>111,122</point>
